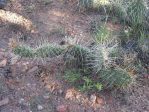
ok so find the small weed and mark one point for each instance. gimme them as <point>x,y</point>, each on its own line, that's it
<point>89,84</point>
<point>83,83</point>
<point>143,36</point>
<point>98,86</point>
<point>102,34</point>
<point>24,51</point>
<point>72,76</point>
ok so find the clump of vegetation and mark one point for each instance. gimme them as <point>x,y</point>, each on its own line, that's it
<point>108,7</point>
<point>102,56</point>
<point>93,4</point>
<point>85,4</point>
<point>95,60</point>
<point>115,77</point>
<point>102,34</point>
<point>24,51</point>
<point>116,10</point>
<point>107,58</point>
<point>72,76</point>
<point>83,83</point>
<point>89,84</point>
<point>136,13</point>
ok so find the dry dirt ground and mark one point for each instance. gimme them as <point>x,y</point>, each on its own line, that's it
<point>26,87</point>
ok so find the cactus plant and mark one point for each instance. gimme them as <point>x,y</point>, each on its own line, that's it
<point>42,51</point>
<point>101,56</point>
<point>76,55</point>
<point>115,77</point>
<point>136,12</point>
<point>24,51</point>
<point>48,50</point>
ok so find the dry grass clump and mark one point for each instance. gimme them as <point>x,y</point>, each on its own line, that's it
<point>16,19</point>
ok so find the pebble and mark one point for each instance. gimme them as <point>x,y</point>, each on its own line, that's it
<point>21,101</point>
<point>46,97</point>
<point>3,63</point>
<point>60,91</point>
<point>40,107</point>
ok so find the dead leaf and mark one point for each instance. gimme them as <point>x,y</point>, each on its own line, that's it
<point>96,101</point>
<point>71,94</point>
<point>52,86</point>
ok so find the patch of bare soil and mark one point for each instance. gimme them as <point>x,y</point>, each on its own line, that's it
<point>27,87</point>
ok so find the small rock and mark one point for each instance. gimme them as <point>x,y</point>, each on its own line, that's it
<point>40,107</point>
<point>96,101</point>
<point>46,97</point>
<point>21,101</point>
<point>100,101</point>
<point>3,63</point>
<point>4,102</point>
<point>60,91</point>
<point>93,98</point>
<point>62,108</point>
<point>25,66</point>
